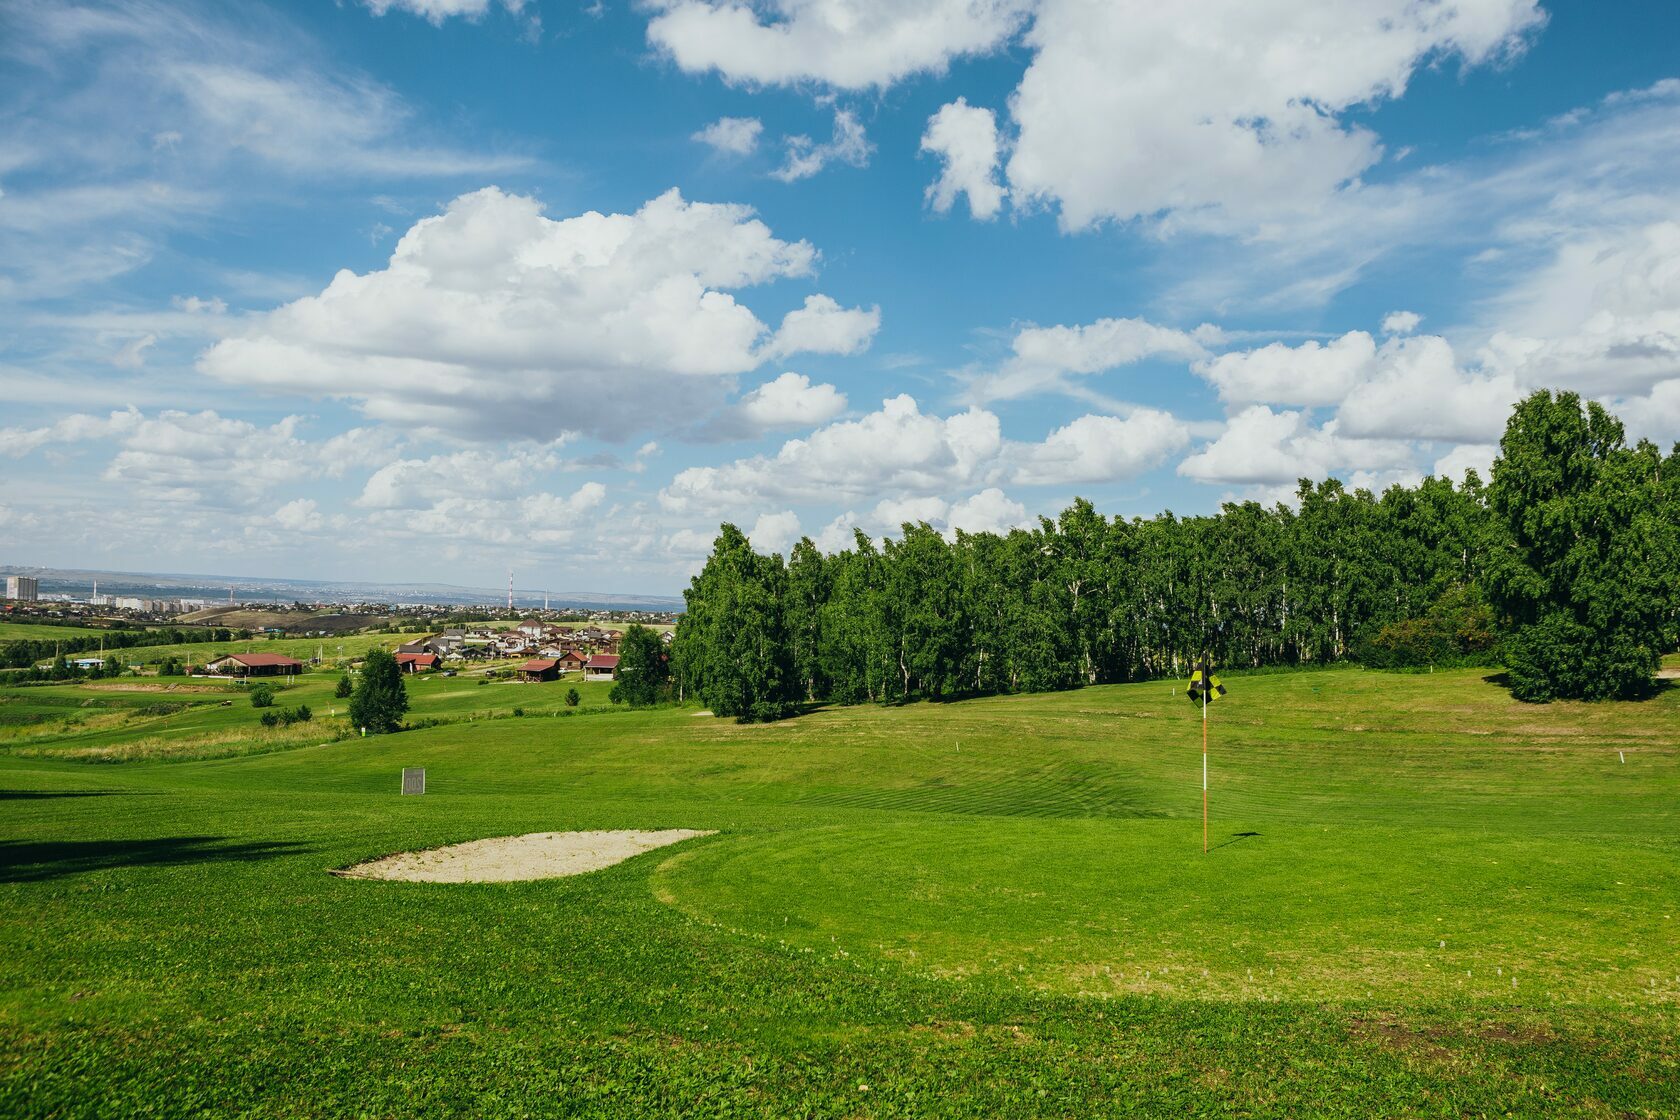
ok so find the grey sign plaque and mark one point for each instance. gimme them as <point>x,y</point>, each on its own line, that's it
<point>414,779</point>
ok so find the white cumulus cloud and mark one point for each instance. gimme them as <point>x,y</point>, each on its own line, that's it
<point>1231,106</point>
<point>965,138</point>
<point>847,44</point>
<point>491,318</point>
<point>822,326</point>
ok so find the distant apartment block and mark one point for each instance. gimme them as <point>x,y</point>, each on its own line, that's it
<point>25,588</point>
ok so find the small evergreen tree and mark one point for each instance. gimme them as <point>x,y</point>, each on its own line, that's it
<point>380,698</point>
<point>572,697</point>
<point>343,688</point>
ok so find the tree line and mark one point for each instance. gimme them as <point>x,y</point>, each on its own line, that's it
<point>1565,568</point>
<point>22,653</point>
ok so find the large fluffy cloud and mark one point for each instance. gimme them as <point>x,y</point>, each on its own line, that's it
<point>492,318</point>
<point>1263,447</point>
<point>897,448</point>
<point>1410,387</point>
<point>904,453</point>
<point>1602,315</point>
<point>1098,449</point>
<point>1132,110</point>
<point>848,44</point>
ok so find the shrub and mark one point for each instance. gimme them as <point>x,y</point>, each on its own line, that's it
<point>518,713</point>
<point>1457,630</point>
<point>343,688</point>
<point>572,698</point>
<point>269,719</point>
<point>262,696</point>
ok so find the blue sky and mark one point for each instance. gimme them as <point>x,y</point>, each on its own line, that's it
<point>429,289</point>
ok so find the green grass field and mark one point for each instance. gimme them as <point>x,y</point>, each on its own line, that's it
<point>13,631</point>
<point>1423,899</point>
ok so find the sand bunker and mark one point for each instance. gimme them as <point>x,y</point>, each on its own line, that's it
<point>513,859</point>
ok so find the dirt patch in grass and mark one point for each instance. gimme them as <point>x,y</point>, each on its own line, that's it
<point>513,859</point>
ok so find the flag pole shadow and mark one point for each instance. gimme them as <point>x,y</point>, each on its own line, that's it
<point>1235,836</point>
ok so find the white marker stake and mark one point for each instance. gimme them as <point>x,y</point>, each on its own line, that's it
<point>1622,756</point>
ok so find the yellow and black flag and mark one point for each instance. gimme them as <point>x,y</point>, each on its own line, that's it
<point>1203,684</point>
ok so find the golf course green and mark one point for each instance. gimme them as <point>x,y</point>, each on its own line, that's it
<point>1422,898</point>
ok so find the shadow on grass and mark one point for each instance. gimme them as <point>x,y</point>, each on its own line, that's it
<point>1235,836</point>
<point>1658,687</point>
<point>41,794</point>
<point>33,862</point>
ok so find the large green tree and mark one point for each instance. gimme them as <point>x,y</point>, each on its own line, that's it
<point>643,669</point>
<point>380,698</point>
<point>732,646</point>
<point>1577,569</point>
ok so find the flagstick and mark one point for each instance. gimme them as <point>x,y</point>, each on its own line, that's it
<point>1205,681</point>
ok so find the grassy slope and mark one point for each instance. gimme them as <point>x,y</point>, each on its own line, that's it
<point>883,908</point>
<point>13,631</point>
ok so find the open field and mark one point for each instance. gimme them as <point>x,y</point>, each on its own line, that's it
<point>14,631</point>
<point>348,646</point>
<point>1424,899</point>
<point>173,718</point>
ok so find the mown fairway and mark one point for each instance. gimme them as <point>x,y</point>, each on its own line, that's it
<point>1423,900</point>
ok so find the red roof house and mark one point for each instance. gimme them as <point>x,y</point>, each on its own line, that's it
<point>601,667</point>
<point>416,662</point>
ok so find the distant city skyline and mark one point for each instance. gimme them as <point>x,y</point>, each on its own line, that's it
<point>418,291</point>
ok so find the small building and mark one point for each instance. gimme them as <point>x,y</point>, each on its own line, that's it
<point>254,665</point>
<point>601,667</point>
<point>417,662</point>
<point>539,669</point>
<point>571,661</point>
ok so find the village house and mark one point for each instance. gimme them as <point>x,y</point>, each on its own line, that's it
<point>601,667</point>
<point>417,662</point>
<point>539,669</point>
<point>253,665</point>
<point>571,661</point>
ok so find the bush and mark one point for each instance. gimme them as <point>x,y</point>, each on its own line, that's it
<point>262,696</point>
<point>518,713</point>
<point>1457,630</point>
<point>343,688</point>
<point>269,719</point>
<point>572,698</point>
<point>303,714</point>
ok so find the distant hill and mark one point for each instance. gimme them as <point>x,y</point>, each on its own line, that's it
<point>80,581</point>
